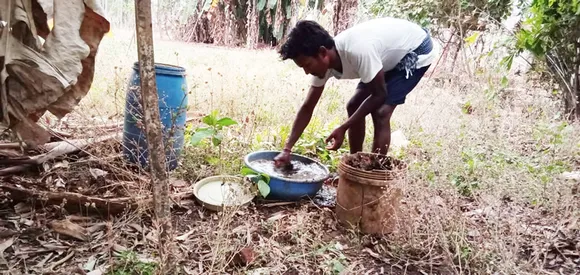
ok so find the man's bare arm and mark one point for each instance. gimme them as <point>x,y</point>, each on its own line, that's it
<point>303,116</point>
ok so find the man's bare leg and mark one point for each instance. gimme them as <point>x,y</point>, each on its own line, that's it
<point>382,123</point>
<point>356,133</point>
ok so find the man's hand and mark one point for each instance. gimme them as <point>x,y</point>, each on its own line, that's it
<point>282,159</point>
<point>337,136</point>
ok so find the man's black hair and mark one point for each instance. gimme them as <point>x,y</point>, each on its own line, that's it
<point>306,38</point>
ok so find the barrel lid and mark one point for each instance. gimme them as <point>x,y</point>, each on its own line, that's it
<point>166,69</point>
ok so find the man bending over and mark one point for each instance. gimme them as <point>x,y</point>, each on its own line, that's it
<point>388,55</point>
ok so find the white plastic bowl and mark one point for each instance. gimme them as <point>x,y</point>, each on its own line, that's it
<point>217,192</point>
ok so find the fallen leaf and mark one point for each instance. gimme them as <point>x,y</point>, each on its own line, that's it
<point>41,264</point>
<point>277,216</point>
<point>178,183</point>
<point>54,247</point>
<point>22,207</point>
<point>62,164</point>
<point>151,236</point>
<point>245,256</point>
<point>66,227</point>
<point>5,233</point>
<point>97,227</point>
<point>5,245</point>
<point>136,227</point>
<point>59,183</point>
<point>75,218</point>
<point>119,248</point>
<point>90,264</point>
<point>63,260</point>
<point>188,271</point>
<point>473,233</point>
<point>185,236</point>
<point>372,253</point>
<point>99,271</point>
<point>260,271</point>
<point>27,222</point>
<point>97,173</point>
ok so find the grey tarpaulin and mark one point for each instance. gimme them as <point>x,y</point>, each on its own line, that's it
<point>50,74</point>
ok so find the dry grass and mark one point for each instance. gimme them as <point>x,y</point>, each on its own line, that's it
<point>483,193</point>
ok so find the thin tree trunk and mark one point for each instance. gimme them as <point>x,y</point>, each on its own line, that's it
<point>150,105</point>
<point>252,25</point>
<point>576,73</point>
<point>344,13</point>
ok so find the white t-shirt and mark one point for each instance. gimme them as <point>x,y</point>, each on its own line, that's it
<point>376,44</point>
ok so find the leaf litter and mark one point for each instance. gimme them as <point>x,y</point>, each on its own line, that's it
<point>274,237</point>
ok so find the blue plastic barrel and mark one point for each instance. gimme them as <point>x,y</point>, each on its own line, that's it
<point>172,91</point>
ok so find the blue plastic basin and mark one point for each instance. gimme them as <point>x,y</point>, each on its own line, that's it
<point>172,91</point>
<point>288,189</point>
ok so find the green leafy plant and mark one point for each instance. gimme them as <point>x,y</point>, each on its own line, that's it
<point>130,264</point>
<point>212,129</point>
<point>550,31</point>
<point>463,14</point>
<point>211,133</point>
<point>261,181</point>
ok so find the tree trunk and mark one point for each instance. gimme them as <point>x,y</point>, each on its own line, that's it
<point>576,73</point>
<point>344,12</point>
<point>150,105</point>
<point>252,25</point>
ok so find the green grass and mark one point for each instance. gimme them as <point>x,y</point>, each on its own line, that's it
<point>502,157</point>
<point>128,263</point>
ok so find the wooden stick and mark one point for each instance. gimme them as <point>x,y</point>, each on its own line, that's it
<point>55,149</point>
<point>75,202</point>
<point>152,121</point>
<point>12,145</point>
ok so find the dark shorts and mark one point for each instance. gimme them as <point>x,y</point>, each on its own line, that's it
<point>398,86</point>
